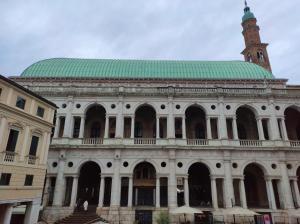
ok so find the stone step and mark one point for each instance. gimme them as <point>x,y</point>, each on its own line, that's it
<point>81,217</point>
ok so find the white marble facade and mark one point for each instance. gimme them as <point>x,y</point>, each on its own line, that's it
<point>172,155</point>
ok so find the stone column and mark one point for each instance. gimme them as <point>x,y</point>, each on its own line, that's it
<point>172,185</point>
<point>8,214</point>
<point>157,127</point>
<point>208,128</point>
<point>46,150</point>
<point>57,125</point>
<point>260,129</point>
<point>157,192</point>
<point>297,194</point>
<point>59,185</point>
<point>74,191</point>
<point>274,124</point>
<point>286,188</point>
<point>115,189</point>
<point>186,191</point>
<point>243,194</point>
<point>82,124</point>
<point>106,126</point>
<point>229,196</point>
<point>171,126</point>
<point>130,190</point>
<point>132,127</point>
<point>234,129</point>
<point>284,131</point>
<point>26,138</point>
<point>3,129</point>
<point>222,129</point>
<point>183,127</point>
<point>101,192</point>
<point>32,212</point>
<point>120,120</point>
<point>271,196</point>
<point>214,193</point>
<point>68,130</point>
<point>46,192</point>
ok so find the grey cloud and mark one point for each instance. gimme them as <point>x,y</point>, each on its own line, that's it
<point>158,29</point>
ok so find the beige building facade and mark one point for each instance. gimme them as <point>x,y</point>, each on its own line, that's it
<point>26,121</point>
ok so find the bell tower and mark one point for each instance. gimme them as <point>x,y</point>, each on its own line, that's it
<point>255,51</point>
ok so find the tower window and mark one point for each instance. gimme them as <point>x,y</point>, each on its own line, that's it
<point>260,56</point>
<point>249,58</point>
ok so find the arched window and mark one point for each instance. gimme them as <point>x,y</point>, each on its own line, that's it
<point>95,130</point>
<point>249,58</point>
<point>199,131</point>
<point>260,56</point>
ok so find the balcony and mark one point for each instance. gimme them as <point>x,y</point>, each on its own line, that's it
<point>185,143</point>
<point>31,160</point>
<point>9,156</point>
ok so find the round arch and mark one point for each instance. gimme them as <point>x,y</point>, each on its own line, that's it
<point>147,104</point>
<point>255,186</point>
<point>83,161</point>
<point>150,161</point>
<point>207,164</point>
<point>292,120</point>
<point>199,185</point>
<point>202,107</point>
<point>260,164</point>
<point>90,105</point>
<point>251,107</point>
<point>89,183</point>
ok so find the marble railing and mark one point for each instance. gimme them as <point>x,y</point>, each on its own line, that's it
<point>176,142</point>
<point>96,90</point>
<point>9,156</point>
<point>32,160</point>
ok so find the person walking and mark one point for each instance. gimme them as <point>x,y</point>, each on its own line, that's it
<point>85,205</point>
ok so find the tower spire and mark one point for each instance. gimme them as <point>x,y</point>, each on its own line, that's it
<point>255,51</point>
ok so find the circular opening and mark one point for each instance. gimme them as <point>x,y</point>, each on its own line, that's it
<point>218,165</point>
<point>263,107</point>
<point>163,164</point>
<point>289,166</point>
<point>113,106</point>
<point>64,105</point>
<point>213,107</point>
<point>234,165</point>
<point>177,106</point>
<point>179,164</point>
<point>78,105</point>
<point>70,164</point>
<point>127,106</point>
<point>109,164</point>
<point>162,106</point>
<point>125,164</point>
<point>274,166</point>
<point>277,107</point>
<point>54,164</point>
<point>228,107</point>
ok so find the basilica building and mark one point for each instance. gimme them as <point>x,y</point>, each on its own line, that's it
<point>140,137</point>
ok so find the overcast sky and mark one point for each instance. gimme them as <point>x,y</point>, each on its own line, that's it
<point>33,30</point>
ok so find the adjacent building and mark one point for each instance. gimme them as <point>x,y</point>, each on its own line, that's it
<point>25,130</point>
<point>137,137</point>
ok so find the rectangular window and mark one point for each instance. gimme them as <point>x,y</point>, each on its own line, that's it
<point>5,179</point>
<point>0,91</point>
<point>76,128</point>
<point>20,102</point>
<point>28,180</point>
<point>12,140</point>
<point>34,145</point>
<point>40,112</point>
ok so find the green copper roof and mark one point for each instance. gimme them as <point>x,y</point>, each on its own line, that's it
<point>145,69</point>
<point>247,14</point>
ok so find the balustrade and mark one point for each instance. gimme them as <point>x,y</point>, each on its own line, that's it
<point>251,143</point>
<point>9,156</point>
<point>197,141</point>
<point>144,141</point>
<point>295,143</point>
<point>31,160</point>
<point>92,141</point>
